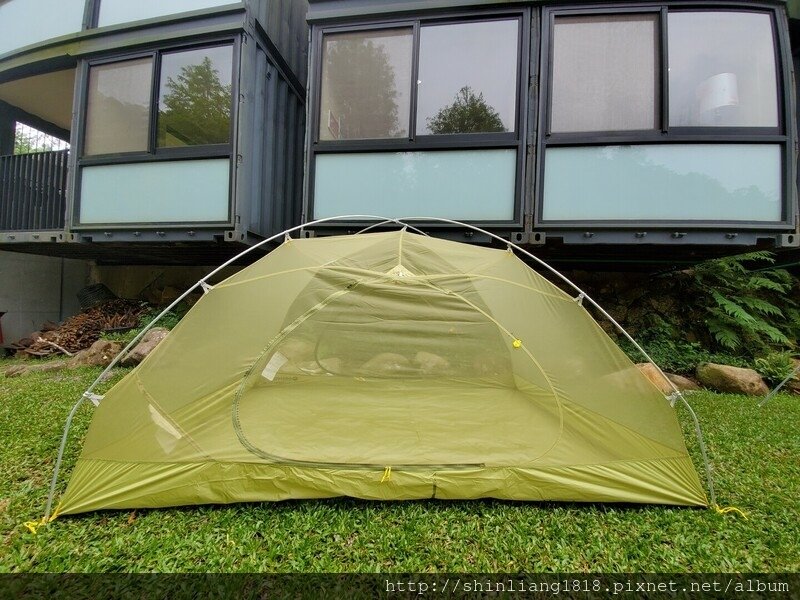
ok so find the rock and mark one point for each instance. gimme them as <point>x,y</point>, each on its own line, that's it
<point>649,371</point>
<point>46,367</point>
<point>684,384</point>
<point>386,363</point>
<point>430,363</point>
<point>100,354</point>
<point>16,371</point>
<point>736,380</point>
<point>150,340</point>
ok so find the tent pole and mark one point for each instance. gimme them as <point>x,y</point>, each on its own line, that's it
<point>86,395</point>
<point>779,387</point>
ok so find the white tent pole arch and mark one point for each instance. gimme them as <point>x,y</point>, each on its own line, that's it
<point>379,221</point>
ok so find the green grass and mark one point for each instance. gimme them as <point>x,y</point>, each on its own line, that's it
<point>755,454</point>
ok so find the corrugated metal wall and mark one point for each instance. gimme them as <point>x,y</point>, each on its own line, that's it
<point>277,155</point>
<point>285,24</point>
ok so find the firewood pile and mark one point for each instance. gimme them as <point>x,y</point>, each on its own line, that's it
<point>82,330</point>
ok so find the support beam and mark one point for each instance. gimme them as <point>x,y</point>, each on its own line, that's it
<point>17,114</point>
<point>7,129</point>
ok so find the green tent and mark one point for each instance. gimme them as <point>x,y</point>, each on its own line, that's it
<point>383,366</point>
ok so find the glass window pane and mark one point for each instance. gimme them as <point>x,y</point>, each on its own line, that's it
<point>366,85</point>
<point>674,182</point>
<point>23,22</point>
<point>456,184</point>
<point>118,107</point>
<point>114,12</point>
<point>194,104</point>
<point>722,70</point>
<point>467,77</point>
<point>605,73</point>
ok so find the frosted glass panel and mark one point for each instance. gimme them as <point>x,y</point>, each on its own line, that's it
<point>716,182</point>
<point>460,184</point>
<point>162,192</point>
<point>25,22</point>
<point>605,73</point>
<point>722,70</point>
<point>113,12</point>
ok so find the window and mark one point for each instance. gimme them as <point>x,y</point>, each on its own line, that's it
<point>366,85</point>
<point>115,12</point>
<point>605,73</point>
<point>169,104</point>
<point>420,116</point>
<point>118,107</point>
<point>722,70</point>
<point>633,134</point>
<point>467,78</point>
<point>194,102</point>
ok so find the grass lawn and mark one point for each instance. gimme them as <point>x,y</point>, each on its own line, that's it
<point>756,455</point>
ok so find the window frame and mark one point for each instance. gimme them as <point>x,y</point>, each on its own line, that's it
<point>153,149</point>
<point>153,153</point>
<point>664,133</point>
<point>515,140</point>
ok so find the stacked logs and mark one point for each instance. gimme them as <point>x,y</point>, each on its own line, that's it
<point>82,330</point>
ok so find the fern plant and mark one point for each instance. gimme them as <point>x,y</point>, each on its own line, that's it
<point>775,367</point>
<point>747,310</point>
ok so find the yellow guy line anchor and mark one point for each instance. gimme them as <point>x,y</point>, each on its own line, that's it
<point>387,474</point>
<point>33,526</point>
<point>729,509</point>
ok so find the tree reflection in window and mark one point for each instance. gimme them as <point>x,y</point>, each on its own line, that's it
<point>469,113</point>
<point>195,98</point>
<point>468,77</point>
<point>366,85</point>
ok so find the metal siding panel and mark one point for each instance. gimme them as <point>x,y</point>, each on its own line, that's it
<point>257,159</point>
<point>281,129</point>
<point>270,187</point>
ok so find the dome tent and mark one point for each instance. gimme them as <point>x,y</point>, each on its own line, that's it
<point>383,366</point>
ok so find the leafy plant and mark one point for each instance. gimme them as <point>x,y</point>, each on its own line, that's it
<point>775,366</point>
<point>747,309</point>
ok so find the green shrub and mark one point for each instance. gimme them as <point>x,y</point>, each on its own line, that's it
<point>730,310</point>
<point>747,310</point>
<point>775,367</point>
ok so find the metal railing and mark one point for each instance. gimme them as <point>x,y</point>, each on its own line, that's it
<point>33,191</point>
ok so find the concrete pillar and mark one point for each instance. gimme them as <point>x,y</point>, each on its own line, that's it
<point>34,289</point>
